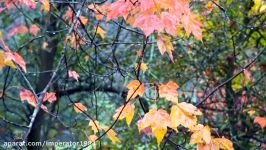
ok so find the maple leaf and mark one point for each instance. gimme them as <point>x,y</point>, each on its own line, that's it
<point>144,67</point>
<point>211,146</point>
<point>50,97</point>
<point>79,107</point>
<point>95,126</point>
<point>184,114</point>
<point>149,24</point>
<point>128,113</point>
<point>84,20</point>
<point>73,74</point>
<point>170,23</point>
<point>165,45</point>
<point>111,134</point>
<point>135,89</point>
<point>46,5</point>
<point>98,11</point>
<point>117,9</point>
<point>21,29</point>
<point>26,95</point>
<point>158,121</point>
<point>146,4</point>
<point>9,57</point>
<point>223,143</point>
<point>201,134</point>
<point>192,25</point>
<point>34,29</point>
<point>261,121</point>
<point>101,32</point>
<point>169,91</point>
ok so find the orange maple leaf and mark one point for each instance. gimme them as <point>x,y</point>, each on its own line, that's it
<point>27,95</point>
<point>50,97</point>
<point>184,114</point>
<point>135,89</point>
<point>169,91</point>
<point>158,121</point>
<point>261,121</point>
<point>45,5</point>
<point>201,134</point>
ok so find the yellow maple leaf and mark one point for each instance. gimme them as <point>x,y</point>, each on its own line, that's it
<point>201,134</point>
<point>45,5</point>
<point>143,67</point>
<point>128,113</point>
<point>135,89</point>
<point>159,134</point>
<point>184,114</point>
<point>101,32</point>
<point>111,134</point>
<point>5,61</point>
<point>165,45</point>
<point>224,143</point>
<point>158,121</point>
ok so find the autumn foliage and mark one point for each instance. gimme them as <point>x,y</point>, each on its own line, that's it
<point>90,67</point>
